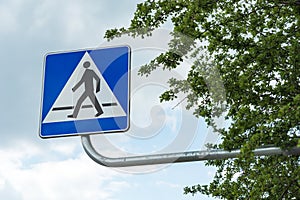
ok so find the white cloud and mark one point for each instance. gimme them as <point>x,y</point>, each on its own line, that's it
<point>7,20</point>
<point>168,184</point>
<point>2,183</point>
<point>173,117</point>
<point>64,147</point>
<point>71,21</point>
<point>76,178</point>
<point>68,22</point>
<point>116,185</point>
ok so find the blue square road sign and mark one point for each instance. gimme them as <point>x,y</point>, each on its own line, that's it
<point>85,92</point>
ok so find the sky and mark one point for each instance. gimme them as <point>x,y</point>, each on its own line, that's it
<point>58,168</point>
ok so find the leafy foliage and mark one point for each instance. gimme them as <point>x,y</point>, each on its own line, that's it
<point>254,47</point>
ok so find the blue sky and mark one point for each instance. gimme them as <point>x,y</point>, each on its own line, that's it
<point>32,168</point>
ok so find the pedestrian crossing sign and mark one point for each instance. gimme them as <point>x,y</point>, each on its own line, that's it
<point>85,92</point>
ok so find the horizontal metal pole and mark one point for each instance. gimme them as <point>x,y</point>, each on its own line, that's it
<point>175,157</point>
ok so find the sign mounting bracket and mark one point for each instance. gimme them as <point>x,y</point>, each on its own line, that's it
<point>175,157</point>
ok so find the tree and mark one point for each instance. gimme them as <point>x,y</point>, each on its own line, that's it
<point>255,46</point>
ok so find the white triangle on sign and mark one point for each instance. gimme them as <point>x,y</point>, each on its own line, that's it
<point>67,99</point>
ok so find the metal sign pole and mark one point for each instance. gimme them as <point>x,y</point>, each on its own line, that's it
<point>175,157</point>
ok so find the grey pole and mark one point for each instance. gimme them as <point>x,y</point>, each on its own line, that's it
<point>175,157</point>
